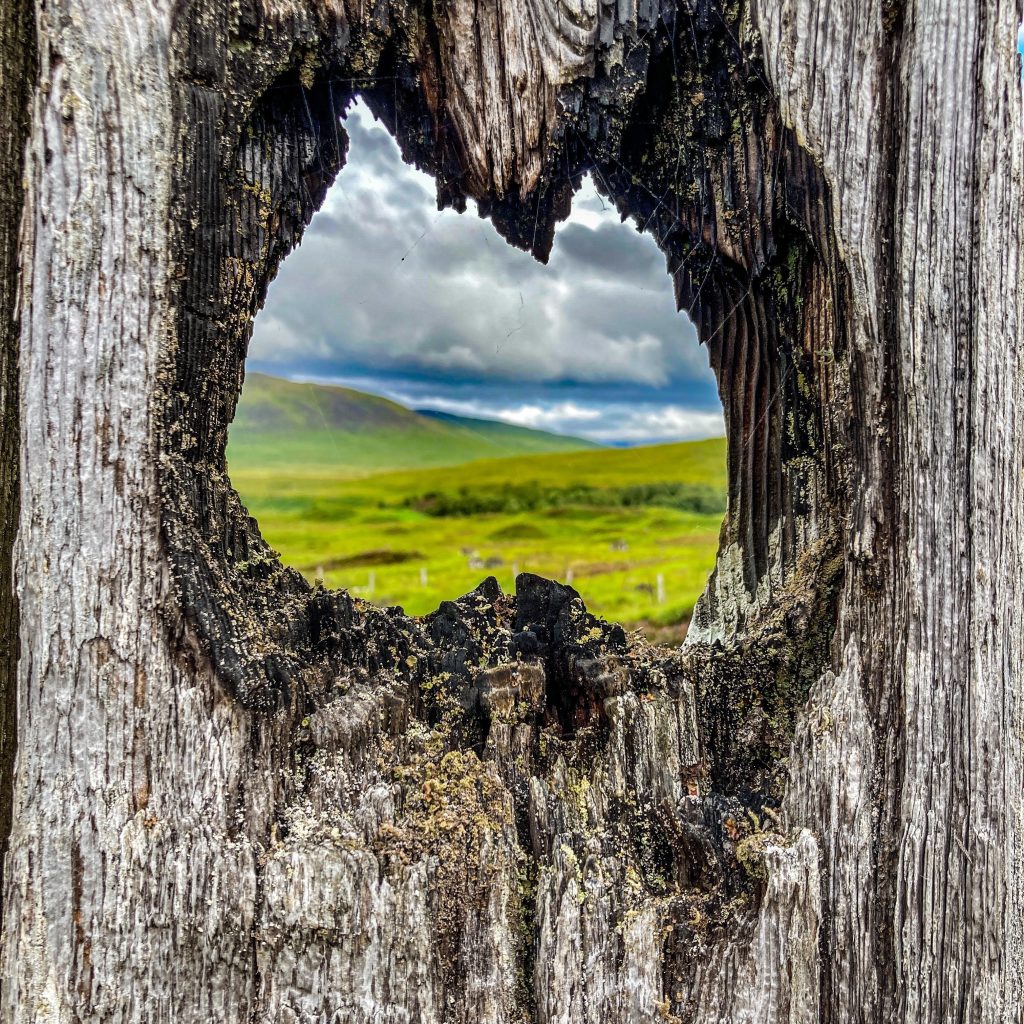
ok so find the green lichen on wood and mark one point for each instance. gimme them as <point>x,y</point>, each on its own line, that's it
<point>453,812</point>
<point>754,686</point>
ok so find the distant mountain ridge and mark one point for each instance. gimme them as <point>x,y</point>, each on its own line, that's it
<point>526,439</point>
<point>286,423</point>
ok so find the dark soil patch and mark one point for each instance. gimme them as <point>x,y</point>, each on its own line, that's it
<point>519,531</point>
<point>378,556</point>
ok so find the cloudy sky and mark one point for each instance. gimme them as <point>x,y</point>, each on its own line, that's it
<point>436,311</point>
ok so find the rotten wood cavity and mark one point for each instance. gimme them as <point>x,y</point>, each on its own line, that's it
<point>679,131</point>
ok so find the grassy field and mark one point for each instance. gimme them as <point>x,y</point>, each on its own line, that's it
<point>611,521</point>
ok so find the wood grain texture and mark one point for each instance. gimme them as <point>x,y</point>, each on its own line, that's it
<point>932,243</point>
<point>241,798</point>
<point>106,903</point>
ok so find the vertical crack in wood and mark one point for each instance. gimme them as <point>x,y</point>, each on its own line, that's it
<point>887,701</point>
<point>17,76</point>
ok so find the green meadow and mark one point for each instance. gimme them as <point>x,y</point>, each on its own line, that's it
<point>635,530</point>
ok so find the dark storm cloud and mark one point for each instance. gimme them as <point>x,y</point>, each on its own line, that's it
<point>611,249</point>
<point>385,285</point>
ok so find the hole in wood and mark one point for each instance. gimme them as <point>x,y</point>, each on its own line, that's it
<point>743,219</point>
<point>426,406</point>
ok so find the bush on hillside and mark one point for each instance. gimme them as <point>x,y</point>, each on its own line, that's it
<point>531,496</point>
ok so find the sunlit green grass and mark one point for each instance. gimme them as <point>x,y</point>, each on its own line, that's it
<point>358,532</point>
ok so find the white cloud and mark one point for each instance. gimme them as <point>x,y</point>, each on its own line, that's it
<point>613,424</point>
<point>560,416</point>
<point>668,423</point>
<point>607,422</point>
<point>382,281</point>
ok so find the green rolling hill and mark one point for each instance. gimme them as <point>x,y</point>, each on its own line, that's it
<point>282,424</point>
<point>518,440</point>
<point>413,508</point>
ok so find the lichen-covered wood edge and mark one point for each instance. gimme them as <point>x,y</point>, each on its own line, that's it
<point>237,797</point>
<point>588,819</point>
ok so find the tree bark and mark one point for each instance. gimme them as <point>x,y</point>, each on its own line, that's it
<point>237,797</point>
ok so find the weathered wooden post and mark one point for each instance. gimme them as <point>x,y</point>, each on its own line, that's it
<point>239,798</point>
